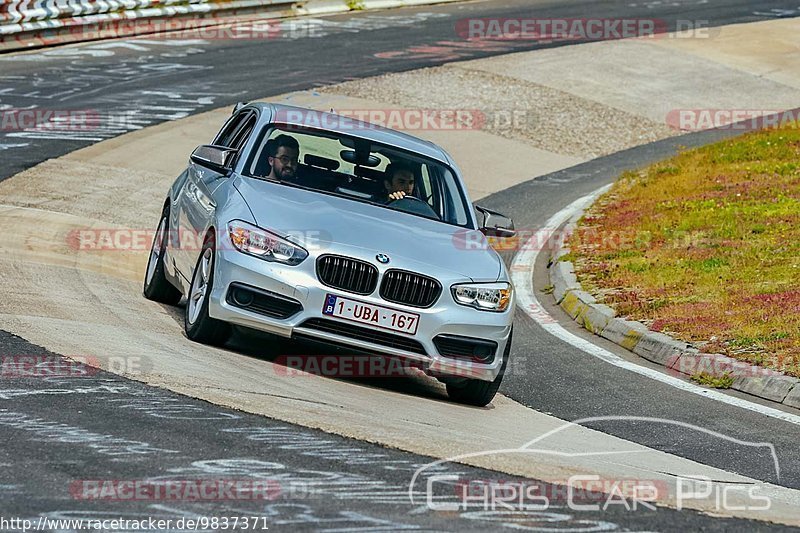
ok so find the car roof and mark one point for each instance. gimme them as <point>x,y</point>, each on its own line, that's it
<point>301,117</point>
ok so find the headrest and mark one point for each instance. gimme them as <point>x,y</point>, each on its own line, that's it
<point>369,173</point>
<point>321,162</point>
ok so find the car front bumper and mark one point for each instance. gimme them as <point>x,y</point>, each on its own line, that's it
<point>301,284</point>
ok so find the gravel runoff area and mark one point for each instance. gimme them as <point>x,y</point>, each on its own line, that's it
<point>543,117</point>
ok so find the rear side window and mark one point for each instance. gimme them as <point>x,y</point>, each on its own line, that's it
<point>229,134</point>
<point>241,135</point>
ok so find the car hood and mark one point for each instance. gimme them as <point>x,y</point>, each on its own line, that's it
<point>326,223</point>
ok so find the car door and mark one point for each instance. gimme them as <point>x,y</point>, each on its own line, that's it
<point>196,204</point>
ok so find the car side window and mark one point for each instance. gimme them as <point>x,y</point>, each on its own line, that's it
<point>228,133</point>
<point>241,135</point>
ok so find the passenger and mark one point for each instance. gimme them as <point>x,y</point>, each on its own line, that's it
<point>399,182</point>
<point>284,153</point>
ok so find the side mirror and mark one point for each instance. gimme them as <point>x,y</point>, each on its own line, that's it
<point>216,158</point>
<point>495,224</point>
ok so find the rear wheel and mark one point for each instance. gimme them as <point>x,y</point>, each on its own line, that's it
<point>198,325</point>
<point>156,285</point>
<point>476,391</point>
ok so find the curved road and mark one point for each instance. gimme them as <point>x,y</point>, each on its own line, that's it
<point>164,80</point>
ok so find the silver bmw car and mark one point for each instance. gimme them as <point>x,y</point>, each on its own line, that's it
<point>313,225</point>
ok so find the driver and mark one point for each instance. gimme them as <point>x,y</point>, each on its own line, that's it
<point>398,181</point>
<point>283,152</point>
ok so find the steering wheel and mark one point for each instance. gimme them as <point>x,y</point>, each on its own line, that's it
<point>412,204</point>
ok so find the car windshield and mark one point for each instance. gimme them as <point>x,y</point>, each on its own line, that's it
<point>362,171</point>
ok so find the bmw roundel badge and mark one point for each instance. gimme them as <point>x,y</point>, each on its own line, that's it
<point>382,258</point>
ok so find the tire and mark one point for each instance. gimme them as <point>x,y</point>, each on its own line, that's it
<point>198,325</point>
<point>476,391</point>
<point>156,286</point>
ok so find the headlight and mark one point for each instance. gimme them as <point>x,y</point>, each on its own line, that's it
<point>263,244</point>
<point>483,296</point>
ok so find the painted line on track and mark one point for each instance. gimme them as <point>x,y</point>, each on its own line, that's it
<point>522,276</point>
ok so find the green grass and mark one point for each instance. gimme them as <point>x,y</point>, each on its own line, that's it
<point>706,247</point>
<point>709,380</point>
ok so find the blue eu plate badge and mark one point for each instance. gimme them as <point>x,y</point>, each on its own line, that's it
<point>330,304</point>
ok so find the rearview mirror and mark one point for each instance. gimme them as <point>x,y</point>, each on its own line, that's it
<point>495,224</point>
<point>216,158</point>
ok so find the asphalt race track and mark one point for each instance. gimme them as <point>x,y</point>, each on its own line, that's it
<point>195,440</point>
<point>313,480</point>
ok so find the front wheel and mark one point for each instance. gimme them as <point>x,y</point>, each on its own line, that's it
<point>198,325</point>
<point>156,285</point>
<point>476,391</point>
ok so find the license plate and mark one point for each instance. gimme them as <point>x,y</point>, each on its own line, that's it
<point>374,315</point>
